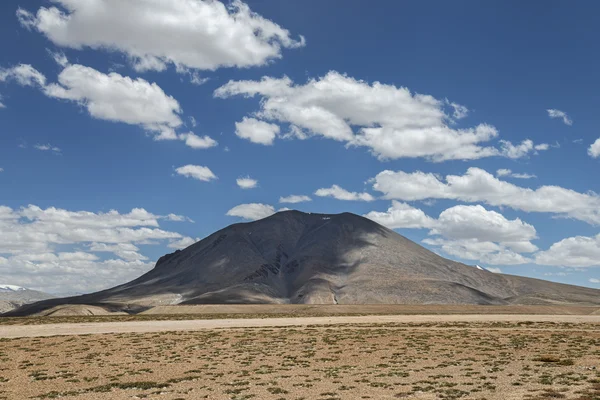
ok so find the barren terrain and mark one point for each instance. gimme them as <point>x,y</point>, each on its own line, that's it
<point>369,357</point>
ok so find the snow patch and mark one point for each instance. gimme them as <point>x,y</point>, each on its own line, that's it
<point>13,288</point>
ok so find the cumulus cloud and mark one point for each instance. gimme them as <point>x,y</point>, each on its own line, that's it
<point>196,172</point>
<point>468,232</point>
<point>197,142</point>
<point>118,98</point>
<point>391,121</point>
<point>554,113</point>
<point>35,242</point>
<point>594,280</point>
<point>484,252</point>
<point>477,185</point>
<point>521,150</point>
<point>190,34</point>
<point>251,211</point>
<point>246,183</point>
<point>342,194</point>
<point>110,97</point>
<point>24,75</point>
<point>256,131</point>
<point>594,150</point>
<point>475,222</point>
<point>294,198</point>
<point>578,251</point>
<point>402,215</point>
<point>113,97</point>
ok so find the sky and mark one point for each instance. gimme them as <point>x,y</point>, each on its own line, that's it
<point>129,129</point>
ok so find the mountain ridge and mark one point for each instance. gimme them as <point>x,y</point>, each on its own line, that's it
<point>310,258</point>
<point>12,297</point>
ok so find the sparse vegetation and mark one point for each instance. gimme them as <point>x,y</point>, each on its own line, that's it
<point>453,360</point>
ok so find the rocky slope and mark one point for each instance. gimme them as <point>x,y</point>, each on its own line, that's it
<point>12,297</point>
<point>294,257</point>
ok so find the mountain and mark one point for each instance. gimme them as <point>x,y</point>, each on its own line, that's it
<point>12,297</point>
<point>295,257</point>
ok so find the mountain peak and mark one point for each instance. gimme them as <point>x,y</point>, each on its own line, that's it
<point>12,288</point>
<point>311,258</point>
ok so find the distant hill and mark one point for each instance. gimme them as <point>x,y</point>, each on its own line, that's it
<point>12,296</point>
<point>295,257</point>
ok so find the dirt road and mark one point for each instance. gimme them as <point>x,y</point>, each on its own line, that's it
<point>16,331</point>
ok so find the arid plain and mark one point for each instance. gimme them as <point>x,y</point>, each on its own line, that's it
<point>522,353</point>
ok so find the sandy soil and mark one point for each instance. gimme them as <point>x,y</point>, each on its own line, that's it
<point>400,357</point>
<point>368,309</point>
<point>13,331</point>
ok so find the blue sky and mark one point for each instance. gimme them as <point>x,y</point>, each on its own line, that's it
<point>131,106</point>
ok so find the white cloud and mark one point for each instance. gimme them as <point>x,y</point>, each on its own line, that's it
<point>523,176</point>
<point>391,121</point>
<point>468,232</point>
<point>114,97</point>
<point>475,222</point>
<point>494,270</point>
<point>24,75</point>
<point>59,57</point>
<point>557,274</point>
<point>252,211</point>
<point>553,113</point>
<point>47,147</point>
<point>197,142</point>
<point>182,243</point>
<point>246,183</point>
<point>503,172</point>
<point>460,111</point>
<point>196,172</point>
<point>594,150</point>
<point>177,218</point>
<point>117,98</point>
<point>111,97</point>
<point>256,131</point>
<point>509,173</point>
<point>35,240</point>
<point>293,199</point>
<point>193,121</point>
<point>521,150</point>
<point>126,251</point>
<point>478,185</point>
<point>484,252</point>
<point>578,251</point>
<point>594,280</point>
<point>195,79</point>
<point>186,33</point>
<point>402,215</point>
<point>342,194</point>
<point>1,169</point>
